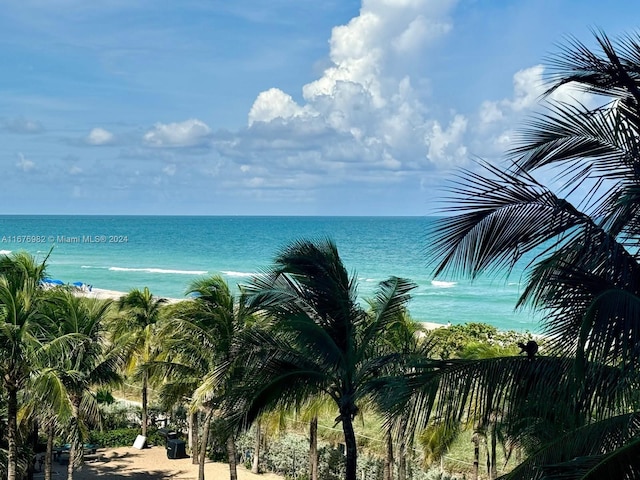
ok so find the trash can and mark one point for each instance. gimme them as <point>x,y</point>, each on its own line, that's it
<point>176,448</point>
<point>167,434</point>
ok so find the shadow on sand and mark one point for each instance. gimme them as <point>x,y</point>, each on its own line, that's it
<point>116,466</point>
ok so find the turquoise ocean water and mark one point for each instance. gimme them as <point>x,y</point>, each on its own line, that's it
<point>166,253</point>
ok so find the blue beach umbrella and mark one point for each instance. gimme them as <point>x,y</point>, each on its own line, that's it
<point>78,284</point>
<point>53,281</point>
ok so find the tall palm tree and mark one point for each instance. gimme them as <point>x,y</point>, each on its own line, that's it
<point>401,336</point>
<point>136,327</point>
<point>584,278</point>
<point>309,412</point>
<point>87,362</point>
<point>320,339</point>
<point>21,334</point>
<point>204,339</point>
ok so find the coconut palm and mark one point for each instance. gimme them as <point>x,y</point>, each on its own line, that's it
<point>570,409</point>
<point>136,327</point>
<point>203,344</point>
<point>309,412</point>
<point>21,334</point>
<point>403,337</point>
<point>87,362</point>
<point>320,340</point>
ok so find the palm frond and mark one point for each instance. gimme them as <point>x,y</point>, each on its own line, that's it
<point>590,445</point>
<point>615,74</point>
<point>621,464</point>
<point>503,215</point>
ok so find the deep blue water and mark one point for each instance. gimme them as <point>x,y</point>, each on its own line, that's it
<point>166,253</point>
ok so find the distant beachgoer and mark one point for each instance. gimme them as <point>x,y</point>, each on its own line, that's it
<point>90,287</point>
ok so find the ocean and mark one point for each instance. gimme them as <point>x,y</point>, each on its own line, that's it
<point>165,253</point>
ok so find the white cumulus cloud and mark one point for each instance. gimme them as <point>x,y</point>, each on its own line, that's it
<point>445,145</point>
<point>372,115</point>
<point>496,119</point>
<point>363,110</point>
<point>192,132</point>
<point>99,136</point>
<point>271,104</point>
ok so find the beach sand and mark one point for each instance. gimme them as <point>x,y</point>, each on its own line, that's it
<point>150,464</point>
<point>104,294</point>
<point>115,295</point>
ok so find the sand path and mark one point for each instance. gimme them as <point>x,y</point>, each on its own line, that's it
<point>150,464</point>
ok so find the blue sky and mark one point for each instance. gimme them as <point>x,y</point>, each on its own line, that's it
<point>279,107</point>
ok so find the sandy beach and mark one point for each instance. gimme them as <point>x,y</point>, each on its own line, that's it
<point>150,464</point>
<point>104,294</point>
<point>115,295</point>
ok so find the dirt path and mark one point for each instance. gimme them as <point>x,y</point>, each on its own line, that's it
<point>150,464</point>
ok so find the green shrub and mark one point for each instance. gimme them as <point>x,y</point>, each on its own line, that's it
<point>123,437</point>
<point>119,437</point>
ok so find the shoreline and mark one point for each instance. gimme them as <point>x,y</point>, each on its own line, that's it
<point>105,294</point>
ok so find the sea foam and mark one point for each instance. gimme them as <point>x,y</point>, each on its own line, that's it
<point>240,274</point>
<point>158,270</point>
<point>441,284</point>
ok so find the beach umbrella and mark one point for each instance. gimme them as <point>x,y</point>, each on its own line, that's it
<point>53,281</point>
<point>78,284</point>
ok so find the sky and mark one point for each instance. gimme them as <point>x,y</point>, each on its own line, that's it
<point>279,107</point>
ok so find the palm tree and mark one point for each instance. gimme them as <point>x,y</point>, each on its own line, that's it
<point>584,278</point>
<point>86,362</point>
<point>320,340</point>
<point>137,327</point>
<point>21,334</point>
<point>402,336</point>
<point>309,412</point>
<point>204,340</point>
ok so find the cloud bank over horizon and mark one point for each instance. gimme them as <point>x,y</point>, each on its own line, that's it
<point>398,95</point>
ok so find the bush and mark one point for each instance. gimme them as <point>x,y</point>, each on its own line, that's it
<point>123,437</point>
<point>288,455</point>
<point>119,437</point>
<point>120,416</point>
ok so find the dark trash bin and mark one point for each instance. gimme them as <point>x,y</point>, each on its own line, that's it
<point>167,434</point>
<point>176,449</point>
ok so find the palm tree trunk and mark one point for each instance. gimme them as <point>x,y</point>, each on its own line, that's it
<point>350,444</point>
<point>255,464</point>
<point>144,403</point>
<point>402,465</point>
<point>72,459</point>
<point>493,473</point>
<point>33,439</point>
<point>75,436</point>
<point>313,448</point>
<point>12,432</point>
<point>193,436</point>
<point>387,473</point>
<point>476,455</point>
<point>204,444</point>
<point>402,449</point>
<point>231,454</point>
<point>49,455</point>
